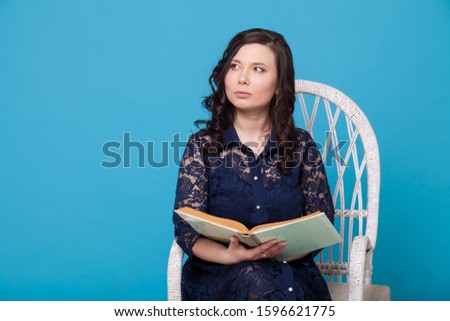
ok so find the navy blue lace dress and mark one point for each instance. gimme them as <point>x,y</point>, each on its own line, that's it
<point>235,184</point>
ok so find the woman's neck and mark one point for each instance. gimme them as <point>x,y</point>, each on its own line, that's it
<point>253,130</point>
<point>251,124</point>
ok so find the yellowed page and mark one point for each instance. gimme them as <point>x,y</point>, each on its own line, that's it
<point>214,219</point>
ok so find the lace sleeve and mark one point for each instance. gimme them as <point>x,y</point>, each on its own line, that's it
<point>314,183</point>
<point>192,191</point>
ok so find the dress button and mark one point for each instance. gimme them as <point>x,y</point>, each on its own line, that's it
<point>290,289</point>
<point>258,207</point>
<point>255,178</point>
<point>284,262</point>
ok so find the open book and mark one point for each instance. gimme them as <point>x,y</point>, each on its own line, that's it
<point>302,235</point>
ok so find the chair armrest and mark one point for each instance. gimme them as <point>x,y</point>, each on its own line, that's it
<point>360,267</point>
<point>174,272</point>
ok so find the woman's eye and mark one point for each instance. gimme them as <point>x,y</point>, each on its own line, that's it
<point>234,66</point>
<point>259,69</point>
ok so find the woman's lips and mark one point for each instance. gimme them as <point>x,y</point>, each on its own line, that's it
<point>242,94</point>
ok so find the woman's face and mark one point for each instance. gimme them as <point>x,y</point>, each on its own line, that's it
<point>251,81</point>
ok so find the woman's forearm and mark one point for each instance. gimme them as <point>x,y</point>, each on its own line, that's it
<point>210,251</point>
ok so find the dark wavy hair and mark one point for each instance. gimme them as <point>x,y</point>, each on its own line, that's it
<point>282,104</point>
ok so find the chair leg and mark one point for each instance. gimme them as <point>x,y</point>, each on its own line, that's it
<point>174,272</point>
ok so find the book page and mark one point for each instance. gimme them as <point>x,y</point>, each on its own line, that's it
<point>302,236</point>
<point>273,225</point>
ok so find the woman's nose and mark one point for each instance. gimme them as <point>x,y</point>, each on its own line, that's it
<point>243,78</point>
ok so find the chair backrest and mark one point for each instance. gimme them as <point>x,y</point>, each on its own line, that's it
<point>350,152</point>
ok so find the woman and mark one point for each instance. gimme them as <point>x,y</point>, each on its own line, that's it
<point>251,164</point>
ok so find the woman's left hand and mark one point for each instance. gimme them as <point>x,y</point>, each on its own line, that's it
<point>236,252</point>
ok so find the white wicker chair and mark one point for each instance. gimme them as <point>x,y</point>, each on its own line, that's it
<point>350,153</point>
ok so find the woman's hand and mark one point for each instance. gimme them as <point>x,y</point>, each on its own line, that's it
<point>236,252</point>
<point>212,251</point>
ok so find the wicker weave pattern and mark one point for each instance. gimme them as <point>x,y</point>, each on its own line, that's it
<point>353,149</point>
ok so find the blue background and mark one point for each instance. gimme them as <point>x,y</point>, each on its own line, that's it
<point>77,74</point>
